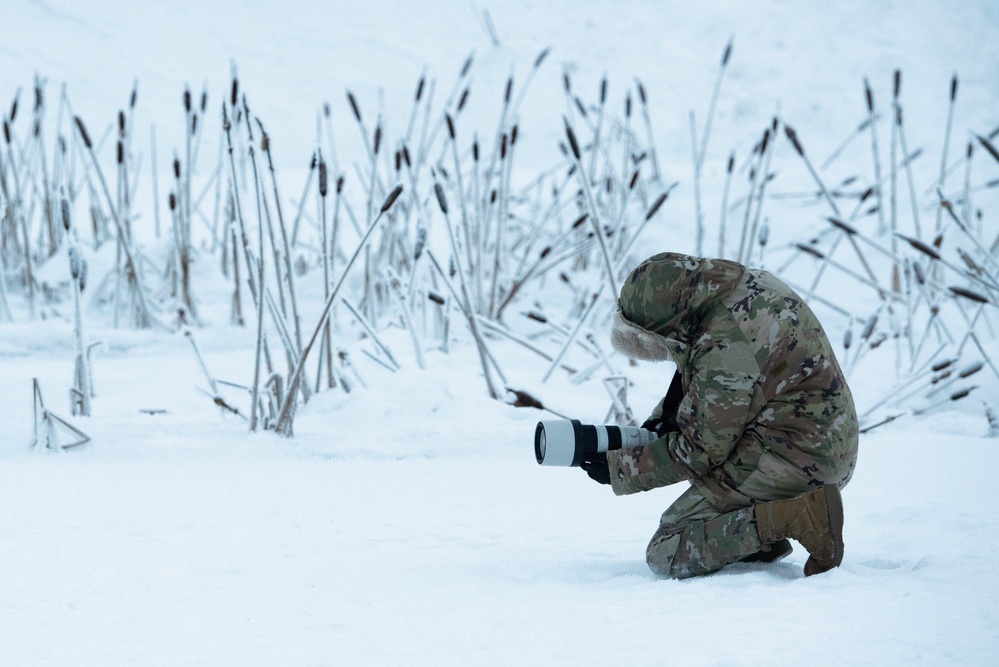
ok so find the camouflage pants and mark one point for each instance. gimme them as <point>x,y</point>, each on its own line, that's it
<point>694,538</point>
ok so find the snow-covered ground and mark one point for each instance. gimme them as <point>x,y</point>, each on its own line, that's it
<point>407,523</point>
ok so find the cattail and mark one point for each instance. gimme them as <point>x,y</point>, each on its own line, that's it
<point>811,250</point>
<point>121,152</point>
<point>326,109</point>
<point>398,161</point>
<point>503,141</point>
<point>627,106</point>
<point>849,229</point>
<point>492,197</point>
<point>953,88</point>
<point>391,198</point>
<point>988,146</point>
<point>641,93</point>
<point>968,294</point>
<point>405,156</point>
<point>509,90</point>
<point>339,185</point>
<point>436,298</point>
<point>173,202</point>
<point>134,96</point>
<point>793,137</point>
<point>580,107</point>
<point>176,167</point>
<point>353,106</point>
<point>235,92</point>
<point>920,246</point>
<point>727,54</point>
<point>441,200</point>
<point>187,100</point>
<point>513,134</point>
<point>463,99</point>
<point>121,123</point>
<point>39,97</point>
<point>656,205</point>
<point>572,140</point>
<point>940,365</point>
<point>204,100</point>
<point>13,106</point>
<point>603,91</point>
<point>265,139</point>
<point>634,180</point>
<point>537,317</point>
<point>421,241</point>
<point>79,126</point>
<point>36,128</point>
<point>450,125</point>
<point>545,252</point>
<point>898,83</point>
<point>579,221</point>
<point>6,131</point>
<point>848,339</point>
<point>971,370</point>
<point>74,262</point>
<point>66,220</point>
<point>378,139</point>
<point>419,88</point>
<point>869,96</point>
<point>467,65</point>
<point>541,57</point>
<point>475,150</point>
<point>958,395</point>
<point>322,179</point>
<point>566,83</point>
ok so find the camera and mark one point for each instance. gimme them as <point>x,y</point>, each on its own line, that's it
<point>566,442</point>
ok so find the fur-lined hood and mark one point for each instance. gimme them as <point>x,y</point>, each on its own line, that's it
<point>667,297</point>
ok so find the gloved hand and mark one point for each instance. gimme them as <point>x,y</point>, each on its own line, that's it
<point>596,467</point>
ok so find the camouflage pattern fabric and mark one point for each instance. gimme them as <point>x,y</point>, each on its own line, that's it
<point>694,538</point>
<point>766,412</point>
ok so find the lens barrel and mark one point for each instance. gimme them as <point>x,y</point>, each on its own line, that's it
<point>560,442</point>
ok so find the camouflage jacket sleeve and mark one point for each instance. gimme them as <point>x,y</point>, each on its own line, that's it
<point>721,382</point>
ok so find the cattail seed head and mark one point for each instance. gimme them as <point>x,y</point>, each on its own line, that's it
<point>441,200</point>
<point>509,91</point>
<point>436,298</point>
<point>339,185</point>
<point>121,152</point>
<point>450,125</point>
<point>398,161</point>
<point>6,131</point>
<point>405,156</point>
<point>421,242</point>
<point>36,128</point>
<point>172,201</point>
<point>566,83</point>
<point>176,167</point>
<point>378,139</point>
<point>541,57</point>
<point>83,132</point>
<point>731,163</point>
<point>467,65</point>
<point>727,54</point>
<point>656,205</point>
<point>234,96</point>
<point>793,138</point>
<point>811,250</point>
<point>391,198</point>
<point>74,263</point>
<point>603,91</point>
<point>419,88</point>
<point>641,93</point>
<point>121,123</point>
<point>475,150</point>
<point>353,106</point>
<point>492,197</point>
<point>187,100</point>
<point>953,88</point>
<point>869,96</point>
<point>545,252</point>
<point>634,180</point>
<point>579,221</point>
<point>39,97</point>
<point>463,99</point>
<point>848,339</point>
<point>572,140</point>
<point>503,141</point>
<point>969,294</point>
<point>897,83</point>
<point>134,97</point>
<point>513,134</point>
<point>64,208</point>
<point>322,179</point>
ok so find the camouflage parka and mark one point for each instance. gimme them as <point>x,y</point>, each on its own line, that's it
<point>766,412</point>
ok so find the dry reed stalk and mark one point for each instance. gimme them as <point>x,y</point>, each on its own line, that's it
<point>869,96</point>
<point>572,336</point>
<point>724,204</point>
<point>943,156</point>
<point>698,214</point>
<point>648,129</point>
<point>464,301</point>
<point>286,415</point>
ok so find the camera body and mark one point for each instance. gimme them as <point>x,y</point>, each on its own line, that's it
<point>566,442</point>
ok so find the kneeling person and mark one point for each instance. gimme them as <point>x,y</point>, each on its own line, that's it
<point>759,418</point>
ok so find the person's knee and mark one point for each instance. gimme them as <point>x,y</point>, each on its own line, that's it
<point>661,554</point>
